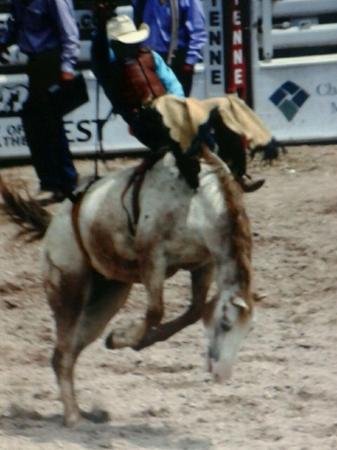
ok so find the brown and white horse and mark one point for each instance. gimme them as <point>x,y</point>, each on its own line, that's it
<point>91,258</point>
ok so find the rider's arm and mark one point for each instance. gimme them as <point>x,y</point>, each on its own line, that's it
<point>167,76</point>
<point>101,56</point>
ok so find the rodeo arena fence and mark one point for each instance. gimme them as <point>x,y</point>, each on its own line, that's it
<point>278,55</point>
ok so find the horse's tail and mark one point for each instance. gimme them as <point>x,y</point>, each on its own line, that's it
<point>241,238</point>
<point>32,218</point>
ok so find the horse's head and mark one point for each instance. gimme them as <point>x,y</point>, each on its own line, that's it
<point>227,319</point>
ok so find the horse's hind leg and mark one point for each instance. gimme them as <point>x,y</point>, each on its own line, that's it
<point>82,309</point>
<point>67,296</point>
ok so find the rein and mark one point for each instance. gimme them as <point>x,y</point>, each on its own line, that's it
<point>75,212</point>
<point>136,180</point>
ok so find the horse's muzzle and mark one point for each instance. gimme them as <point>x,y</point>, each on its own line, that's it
<point>221,370</point>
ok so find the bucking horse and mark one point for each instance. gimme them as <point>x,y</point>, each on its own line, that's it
<point>97,248</point>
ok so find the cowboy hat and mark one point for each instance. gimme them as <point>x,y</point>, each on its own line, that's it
<point>121,28</point>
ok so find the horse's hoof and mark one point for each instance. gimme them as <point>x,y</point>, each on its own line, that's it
<point>128,337</point>
<point>71,420</point>
<point>109,342</point>
<point>113,342</point>
<point>96,416</point>
<point>258,297</point>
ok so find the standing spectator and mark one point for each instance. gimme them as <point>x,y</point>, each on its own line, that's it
<point>46,32</point>
<point>178,33</point>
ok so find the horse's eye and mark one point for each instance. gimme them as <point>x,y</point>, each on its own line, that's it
<point>225,325</point>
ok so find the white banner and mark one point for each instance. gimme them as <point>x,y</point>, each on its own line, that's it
<point>80,125</point>
<point>299,102</point>
<point>295,92</point>
<point>214,54</point>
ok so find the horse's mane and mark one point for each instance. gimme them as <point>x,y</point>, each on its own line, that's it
<point>241,240</point>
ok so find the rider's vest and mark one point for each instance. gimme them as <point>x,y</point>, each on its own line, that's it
<point>138,82</point>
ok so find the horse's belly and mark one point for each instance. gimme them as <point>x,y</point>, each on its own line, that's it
<point>128,273</point>
<point>186,254</point>
<point>112,262</point>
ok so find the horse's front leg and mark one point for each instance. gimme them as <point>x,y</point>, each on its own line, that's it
<point>201,281</point>
<point>152,272</point>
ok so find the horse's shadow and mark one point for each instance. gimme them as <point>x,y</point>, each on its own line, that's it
<point>96,431</point>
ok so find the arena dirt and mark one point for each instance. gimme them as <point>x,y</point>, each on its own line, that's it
<point>283,394</point>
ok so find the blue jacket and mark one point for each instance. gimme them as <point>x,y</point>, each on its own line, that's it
<point>44,25</point>
<point>191,29</point>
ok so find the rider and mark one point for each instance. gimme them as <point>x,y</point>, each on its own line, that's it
<point>132,77</point>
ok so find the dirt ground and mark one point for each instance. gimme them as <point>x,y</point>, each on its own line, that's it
<point>283,394</point>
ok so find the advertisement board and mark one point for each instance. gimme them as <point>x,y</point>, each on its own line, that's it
<point>294,67</point>
<point>80,125</point>
<point>214,54</point>
<point>299,102</point>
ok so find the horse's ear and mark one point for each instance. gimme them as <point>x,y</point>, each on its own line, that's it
<point>240,303</point>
